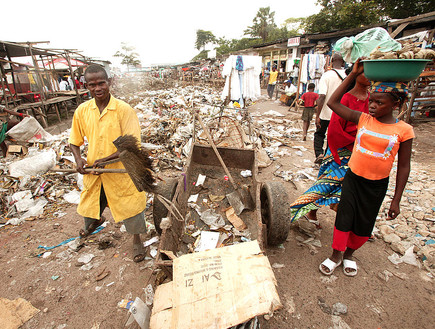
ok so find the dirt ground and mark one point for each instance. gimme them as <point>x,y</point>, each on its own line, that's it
<point>70,297</point>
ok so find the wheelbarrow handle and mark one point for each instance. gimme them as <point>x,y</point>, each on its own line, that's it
<point>210,140</point>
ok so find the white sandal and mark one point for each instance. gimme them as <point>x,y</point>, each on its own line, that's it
<point>350,264</point>
<point>330,265</point>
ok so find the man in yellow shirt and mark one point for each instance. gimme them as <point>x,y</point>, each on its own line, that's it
<point>101,120</point>
<point>272,82</point>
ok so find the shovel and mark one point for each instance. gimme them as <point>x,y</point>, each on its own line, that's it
<point>239,199</point>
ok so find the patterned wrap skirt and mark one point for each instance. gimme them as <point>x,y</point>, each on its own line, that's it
<point>327,189</point>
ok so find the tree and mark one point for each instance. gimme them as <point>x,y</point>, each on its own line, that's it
<point>263,24</point>
<point>343,14</point>
<point>129,57</point>
<point>202,38</point>
<point>405,8</point>
<point>295,25</point>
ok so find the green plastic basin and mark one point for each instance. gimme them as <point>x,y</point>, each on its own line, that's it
<point>394,69</point>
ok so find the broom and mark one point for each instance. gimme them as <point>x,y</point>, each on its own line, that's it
<point>137,162</point>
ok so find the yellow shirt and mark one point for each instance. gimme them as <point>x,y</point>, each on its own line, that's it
<point>272,77</point>
<point>100,130</point>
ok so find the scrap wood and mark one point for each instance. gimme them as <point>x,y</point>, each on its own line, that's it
<point>168,253</point>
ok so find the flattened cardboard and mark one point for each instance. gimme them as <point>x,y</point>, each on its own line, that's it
<point>218,288</point>
<point>235,220</point>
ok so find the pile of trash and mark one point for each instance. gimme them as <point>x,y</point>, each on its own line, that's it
<point>130,83</point>
<point>412,234</point>
<point>28,190</point>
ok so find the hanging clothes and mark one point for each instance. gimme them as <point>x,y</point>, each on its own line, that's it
<point>245,78</point>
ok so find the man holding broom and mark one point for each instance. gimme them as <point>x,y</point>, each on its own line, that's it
<point>102,120</point>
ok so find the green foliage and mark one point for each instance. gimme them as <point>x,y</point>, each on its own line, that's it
<point>295,25</point>
<point>405,8</point>
<point>263,24</point>
<point>203,37</point>
<point>129,57</point>
<point>343,14</point>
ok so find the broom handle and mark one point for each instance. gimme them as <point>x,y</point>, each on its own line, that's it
<point>210,140</point>
<point>88,170</point>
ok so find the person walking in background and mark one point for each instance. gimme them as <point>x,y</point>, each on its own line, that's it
<point>309,102</point>
<point>380,137</point>
<point>294,74</point>
<point>272,82</point>
<point>329,81</point>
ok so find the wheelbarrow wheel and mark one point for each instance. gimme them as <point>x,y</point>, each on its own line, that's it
<point>166,190</point>
<point>275,212</point>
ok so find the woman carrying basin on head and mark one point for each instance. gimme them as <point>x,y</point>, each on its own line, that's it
<point>379,138</point>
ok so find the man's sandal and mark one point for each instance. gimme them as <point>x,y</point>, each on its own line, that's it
<point>330,265</point>
<point>350,265</point>
<point>138,253</point>
<point>83,233</point>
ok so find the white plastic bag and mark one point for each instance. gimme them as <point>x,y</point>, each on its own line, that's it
<point>29,130</point>
<point>364,43</point>
<point>36,210</point>
<point>72,197</point>
<point>33,165</point>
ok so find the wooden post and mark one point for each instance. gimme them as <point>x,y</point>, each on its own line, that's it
<point>299,80</point>
<point>12,71</point>
<point>49,71</point>
<point>40,84</point>
<point>66,108</point>
<point>3,87</point>
<point>38,76</point>
<point>72,77</point>
<point>57,112</point>
<point>411,102</point>
<point>54,70</point>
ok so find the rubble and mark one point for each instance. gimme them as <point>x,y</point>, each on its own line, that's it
<point>413,230</point>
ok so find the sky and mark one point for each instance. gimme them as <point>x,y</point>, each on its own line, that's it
<point>161,31</point>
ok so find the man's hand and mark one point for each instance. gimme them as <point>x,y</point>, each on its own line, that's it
<point>81,164</point>
<point>97,163</point>
<point>318,122</point>
<point>394,210</point>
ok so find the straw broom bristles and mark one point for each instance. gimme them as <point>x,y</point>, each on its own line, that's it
<point>137,162</point>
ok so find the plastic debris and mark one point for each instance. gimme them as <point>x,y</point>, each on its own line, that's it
<point>86,258</point>
<point>208,240</point>
<point>151,241</point>
<point>72,197</point>
<point>39,163</point>
<point>213,220</point>
<point>246,173</point>
<point>200,181</point>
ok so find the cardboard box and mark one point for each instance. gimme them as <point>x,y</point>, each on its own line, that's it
<point>19,149</point>
<point>218,288</point>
